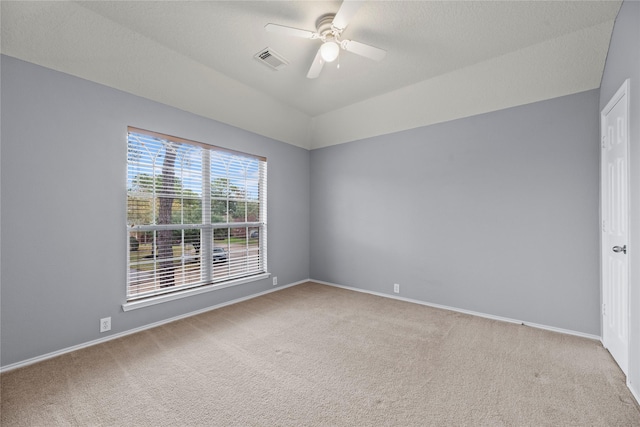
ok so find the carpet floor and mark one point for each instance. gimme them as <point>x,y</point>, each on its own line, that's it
<point>315,355</point>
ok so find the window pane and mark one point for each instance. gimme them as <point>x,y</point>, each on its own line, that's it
<point>151,269</point>
<point>141,264</point>
<point>140,209</point>
<point>189,268</point>
<point>238,253</point>
<point>191,211</point>
<point>218,211</point>
<point>162,176</point>
<point>237,211</point>
<point>253,211</point>
<point>235,188</point>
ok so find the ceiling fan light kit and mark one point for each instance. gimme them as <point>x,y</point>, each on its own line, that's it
<point>329,29</point>
<point>329,51</point>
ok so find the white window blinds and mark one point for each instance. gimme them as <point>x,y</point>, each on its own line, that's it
<point>196,214</point>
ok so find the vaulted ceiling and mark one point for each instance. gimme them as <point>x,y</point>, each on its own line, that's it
<point>445,59</point>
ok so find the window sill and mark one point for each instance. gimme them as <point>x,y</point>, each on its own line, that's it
<point>134,305</point>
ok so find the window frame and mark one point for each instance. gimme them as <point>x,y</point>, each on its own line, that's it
<point>209,155</point>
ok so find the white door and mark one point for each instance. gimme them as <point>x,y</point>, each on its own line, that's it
<point>615,226</point>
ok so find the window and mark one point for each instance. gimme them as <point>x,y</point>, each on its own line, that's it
<point>196,215</point>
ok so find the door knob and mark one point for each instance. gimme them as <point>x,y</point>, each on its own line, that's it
<point>618,249</point>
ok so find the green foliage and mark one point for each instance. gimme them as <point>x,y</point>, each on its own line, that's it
<point>229,199</point>
<point>144,183</point>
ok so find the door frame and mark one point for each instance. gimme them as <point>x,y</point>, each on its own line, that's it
<point>623,91</point>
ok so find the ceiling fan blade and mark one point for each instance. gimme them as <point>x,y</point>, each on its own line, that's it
<point>290,31</point>
<point>316,66</point>
<point>347,11</point>
<point>363,50</point>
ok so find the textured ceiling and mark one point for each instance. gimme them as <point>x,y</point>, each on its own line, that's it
<point>198,56</point>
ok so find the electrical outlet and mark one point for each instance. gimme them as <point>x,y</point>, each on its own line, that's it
<point>275,280</point>
<point>396,288</point>
<point>105,324</point>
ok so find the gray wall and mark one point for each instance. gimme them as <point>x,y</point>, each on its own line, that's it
<point>623,62</point>
<point>496,213</point>
<point>63,208</point>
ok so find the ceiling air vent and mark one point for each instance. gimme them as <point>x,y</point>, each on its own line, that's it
<point>271,59</point>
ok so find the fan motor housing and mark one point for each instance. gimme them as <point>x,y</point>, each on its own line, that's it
<point>324,24</point>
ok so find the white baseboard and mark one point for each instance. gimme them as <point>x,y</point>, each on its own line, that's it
<point>634,392</point>
<point>460,310</point>
<point>140,329</point>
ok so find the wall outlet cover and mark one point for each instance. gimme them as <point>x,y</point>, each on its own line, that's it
<point>105,324</point>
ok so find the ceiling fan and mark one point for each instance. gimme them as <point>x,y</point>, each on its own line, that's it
<point>329,28</point>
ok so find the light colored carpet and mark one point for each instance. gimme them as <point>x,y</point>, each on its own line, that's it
<point>314,355</point>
